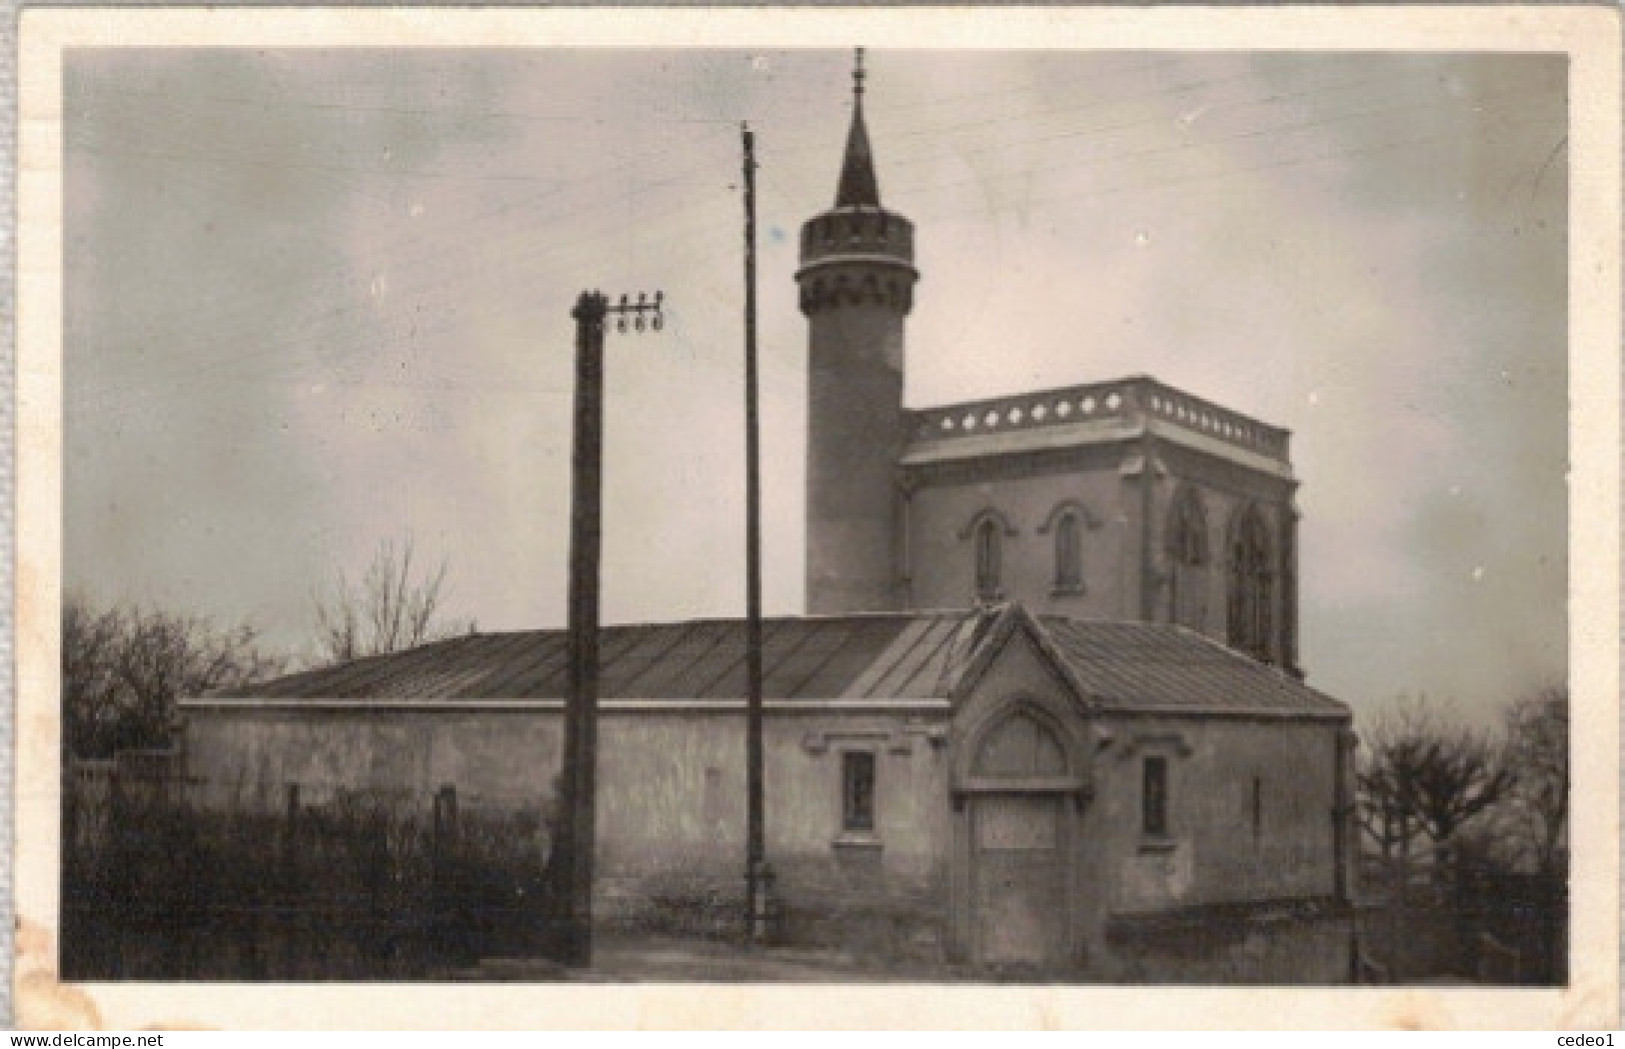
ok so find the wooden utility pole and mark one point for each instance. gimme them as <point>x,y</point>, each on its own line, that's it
<point>758,876</point>
<point>572,859</point>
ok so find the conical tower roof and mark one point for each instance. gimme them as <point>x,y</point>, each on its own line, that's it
<point>843,246</point>
<point>858,186</point>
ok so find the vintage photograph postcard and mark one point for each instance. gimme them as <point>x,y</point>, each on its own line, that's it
<point>810,518</point>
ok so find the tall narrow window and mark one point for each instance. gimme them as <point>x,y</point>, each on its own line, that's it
<point>1258,807</point>
<point>1252,587</point>
<point>1068,553</point>
<point>987,560</point>
<point>858,790</point>
<point>1154,797</point>
<point>1186,544</point>
<point>711,800</point>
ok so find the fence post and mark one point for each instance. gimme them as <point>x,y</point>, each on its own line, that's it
<point>445,814</point>
<point>113,909</point>
<point>290,841</point>
<point>123,893</point>
<point>1558,920</point>
<point>70,812</point>
<point>284,933</point>
<point>445,837</point>
<point>445,879</point>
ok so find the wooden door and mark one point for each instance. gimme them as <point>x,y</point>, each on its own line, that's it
<point>1021,916</point>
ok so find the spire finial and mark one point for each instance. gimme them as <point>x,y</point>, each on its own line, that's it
<point>857,188</point>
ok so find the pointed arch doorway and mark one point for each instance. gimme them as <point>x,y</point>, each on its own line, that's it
<point>1016,797</point>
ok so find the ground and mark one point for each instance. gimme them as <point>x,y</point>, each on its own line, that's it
<point>666,959</point>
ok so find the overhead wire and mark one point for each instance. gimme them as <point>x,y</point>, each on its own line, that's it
<point>436,255</point>
<point>900,162</point>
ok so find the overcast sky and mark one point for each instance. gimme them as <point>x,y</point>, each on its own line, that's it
<point>319,299</point>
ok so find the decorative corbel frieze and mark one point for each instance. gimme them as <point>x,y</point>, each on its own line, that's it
<point>899,740</point>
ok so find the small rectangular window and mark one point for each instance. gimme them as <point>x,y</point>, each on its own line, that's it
<point>858,791</point>
<point>1154,797</point>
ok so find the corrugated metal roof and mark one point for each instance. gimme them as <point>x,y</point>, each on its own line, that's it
<point>1130,667</point>
<point>887,656</point>
<point>1156,666</point>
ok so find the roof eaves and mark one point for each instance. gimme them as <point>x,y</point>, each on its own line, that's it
<point>1282,676</point>
<point>1240,712</point>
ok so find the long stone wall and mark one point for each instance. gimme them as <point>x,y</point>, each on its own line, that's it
<point>671,810</point>
<point>1182,906</point>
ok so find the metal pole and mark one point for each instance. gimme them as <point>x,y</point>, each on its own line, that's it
<point>755,848</point>
<point>581,709</point>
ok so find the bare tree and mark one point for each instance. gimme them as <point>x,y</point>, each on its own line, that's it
<point>393,607</point>
<point>123,667</point>
<point>1538,751</point>
<point>92,646</point>
<point>1424,775</point>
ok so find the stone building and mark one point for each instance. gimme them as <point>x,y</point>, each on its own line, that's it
<point>1125,499</point>
<point>1044,715</point>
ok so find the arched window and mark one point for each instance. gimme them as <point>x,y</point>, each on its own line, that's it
<point>1186,543</point>
<point>1065,525</point>
<point>1252,586</point>
<point>986,532</point>
<point>1068,553</point>
<point>988,557</point>
<point>1020,748</point>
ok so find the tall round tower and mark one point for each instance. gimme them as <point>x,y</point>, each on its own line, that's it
<point>857,283</point>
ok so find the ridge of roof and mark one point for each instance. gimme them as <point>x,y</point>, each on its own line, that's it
<point>1006,619</point>
<point>1111,666</point>
<point>812,617</point>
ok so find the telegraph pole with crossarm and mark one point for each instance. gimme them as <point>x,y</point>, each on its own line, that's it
<point>572,859</point>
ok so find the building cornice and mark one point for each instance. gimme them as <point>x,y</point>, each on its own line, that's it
<point>992,447</point>
<point>1121,408</point>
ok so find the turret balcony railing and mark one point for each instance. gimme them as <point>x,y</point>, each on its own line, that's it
<point>857,231</point>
